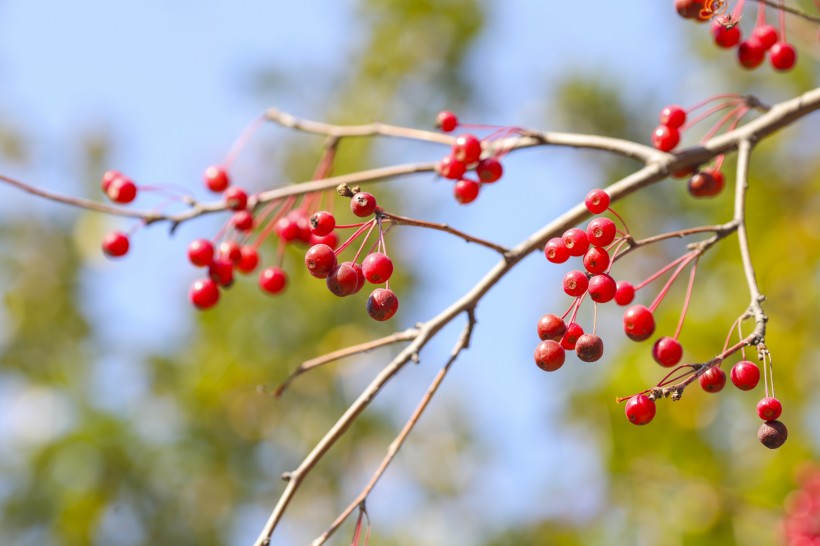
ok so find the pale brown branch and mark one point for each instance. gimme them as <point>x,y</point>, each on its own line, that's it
<point>405,221</point>
<point>719,230</point>
<point>789,9</point>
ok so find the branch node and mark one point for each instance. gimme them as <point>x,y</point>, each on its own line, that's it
<point>287,476</point>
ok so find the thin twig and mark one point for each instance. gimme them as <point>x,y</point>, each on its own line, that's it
<point>405,221</point>
<point>788,9</point>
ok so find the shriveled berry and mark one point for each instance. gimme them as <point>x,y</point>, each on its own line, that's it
<point>726,37</point>
<point>363,204</point>
<point>319,260</point>
<point>624,292</point>
<point>204,293</point>
<point>322,223</point>
<point>602,288</point>
<point>601,231</point>
<point>115,244</point>
<point>549,355</point>
<point>713,379</point>
<point>249,260</point>
<point>665,138</point>
<point>783,56</point>
<point>750,53</point>
<point>551,327</point>
<point>489,170</point>
<point>640,409</point>
<point>121,189</point>
<point>769,408</point>
<point>575,283</point>
<point>772,434</point>
<point>272,280</point>
<point>446,121</point>
<point>673,116</point>
<point>766,35</point>
<point>466,191</point>
<point>556,251</point>
<point>589,348</point>
<point>377,268</point>
<point>571,336</point>
<point>667,351</point>
<point>343,280</point>
<point>220,271</point>
<point>597,201</point>
<point>639,324</point>
<point>596,260</point>
<point>745,375</point>
<point>452,168</point>
<point>236,198</point>
<point>216,178</point>
<point>382,304</point>
<point>201,252</point>
<point>576,241</point>
<point>467,149</point>
<point>242,220</point>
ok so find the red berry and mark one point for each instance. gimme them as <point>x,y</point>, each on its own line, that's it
<point>322,223</point>
<point>551,327</point>
<point>602,288</point>
<point>601,231</point>
<point>773,434</point>
<point>204,293</point>
<point>597,201</point>
<point>576,241</point>
<point>382,304</point>
<point>596,260</point>
<point>706,183</point>
<point>220,271</point>
<point>446,121</point>
<point>667,352</point>
<point>549,355</point>
<point>624,293</point>
<point>249,260</point>
<point>331,240</point>
<point>745,375</point>
<point>713,379</point>
<point>589,348</point>
<point>377,268</point>
<point>230,251</point>
<point>302,221</point>
<point>489,170</point>
<point>467,149</point>
<point>640,409</point>
<point>665,138</point>
<point>319,260</point>
<point>673,116</point>
<point>287,229</point>
<point>236,198</point>
<point>783,56</point>
<point>769,408</point>
<point>201,252</point>
<point>242,220</point>
<point>115,244</point>
<point>689,9</point>
<point>343,280</point>
<point>575,283</point>
<point>452,168</point>
<point>216,178</point>
<point>363,204</point>
<point>556,251</point>
<point>121,189</point>
<point>571,336</point>
<point>750,53</point>
<point>272,280</point>
<point>639,324</point>
<point>466,191</point>
<point>107,178</point>
<point>766,35</point>
<point>726,37</point>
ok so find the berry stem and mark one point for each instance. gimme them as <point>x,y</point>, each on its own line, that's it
<point>686,299</point>
<point>240,143</point>
<point>618,216</point>
<point>662,294</point>
<point>364,241</point>
<point>355,235</point>
<point>761,14</point>
<point>717,108</point>
<point>661,271</point>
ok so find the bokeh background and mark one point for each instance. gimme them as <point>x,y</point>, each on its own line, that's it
<point>128,418</point>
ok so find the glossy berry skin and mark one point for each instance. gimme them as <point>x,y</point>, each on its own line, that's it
<point>750,53</point>
<point>576,241</point>
<point>690,9</point>
<point>601,231</point>
<point>466,191</point>
<point>249,260</point>
<point>230,251</point>
<point>236,198</point>
<point>216,178</point>
<point>571,336</point>
<point>766,35</point>
<point>331,240</point>
<point>107,178</point>
<point>320,260</point>
<point>452,168</point>
<point>596,260</point>
<point>706,183</point>
<point>673,116</point>
<point>639,324</point>
<point>272,280</point>
<point>446,121</point>
<point>489,170</point>
<point>726,38</point>
<point>589,348</point>
<point>121,190</point>
<point>597,201</point>
<point>549,355</point>
<point>363,204</point>
<point>783,56</point>
<point>667,352</point>
<point>221,271</point>
<point>382,304</point>
<point>713,380</point>
<point>242,220</point>
<point>467,149</point>
<point>745,375</point>
<point>556,251</point>
<point>624,293</point>
<point>551,327</point>
<point>377,268</point>
<point>769,408</point>
<point>640,409</point>
<point>115,244</point>
<point>322,223</point>
<point>287,230</point>
<point>665,138</point>
<point>772,434</point>
<point>201,252</point>
<point>575,283</point>
<point>204,294</point>
<point>343,280</point>
<point>602,288</point>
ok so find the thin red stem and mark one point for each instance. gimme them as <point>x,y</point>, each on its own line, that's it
<point>661,271</point>
<point>686,299</point>
<point>668,285</point>
<point>242,141</point>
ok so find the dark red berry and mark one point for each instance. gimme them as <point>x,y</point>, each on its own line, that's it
<point>602,288</point>
<point>596,260</point>
<point>363,204</point>
<point>769,408</point>
<point>467,149</point>
<point>452,168</point>
<point>750,53</point>
<point>489,170</point>
<point>673,116</point>
<point>667,352</point>
<point>745,375</point>
<point>322,223</point>
<point>576,241</point>
<point>377,268</point>
<point>216,178</point>
<point>204,293</point>
<point>201,252</point>
<point>446,121</point>
<point>783,56</point>
<point>466,191</point>
<point>640,409</point>
<point>556,251</point>
<point>115,244</point>
<point>726,37</point>
<point>689,9</point>
<point>575,283</point>
<point>249,260</point>
<point>220,271</point>
<point>624,293</point>
<point>382,304</point>
<point>272,280</point>
<point>589,348</point>
<point>549,355</point>
<point>319,260</point>
<point>766,35</point>
<point>601,231</point>
<point>639,324</point>
<point>713,379</point>
<point>236,198</point>
<point>597,201</point>
<point>772,434</point>
<point>242,220</point>
<point>551,327</point>
<point>706,183</point>
<point>571,336</point>
<point>343,280</point>
<point>665,138</point>
<point>121,189</point>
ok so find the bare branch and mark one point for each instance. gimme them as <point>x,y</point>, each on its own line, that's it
<point>405,221</point>
<point>789,9</point>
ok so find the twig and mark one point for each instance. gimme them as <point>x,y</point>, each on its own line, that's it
<point>788,9</point>
<point>403,220</point>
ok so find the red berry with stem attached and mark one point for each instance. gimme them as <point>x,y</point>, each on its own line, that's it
<point>322,223</point>
<point>242,220</point>
<point>319,260</point>
<point>772,434</point>
<point>489,170</point>
<point>575,283</point>
<point>249,260</point>
<point>382,304</point>
<point>363,204</point>
<point>769,408</point>
<point>639,324</point>
<point>673,116</point>
<point>551,327</point>
<point>766,35</point>
<point>377,268</point>
<point>624,293</point>
<point>597,201</point>
<point>446,121</point>
<point>713,379</point>
<point>705,184</point>
<point>549,355</point>
<point>726,37</point>
<point>216,178</point>
<point>272,280</point>
<point>236,198</point>
<point>667,352</point>
<point>121,189</point>
<point>467,149</point>
<point>343,280</point>
<point>571,336</point>
<point>576,241</point>
<point>452,168</point>
<point>745,375</point>
<point>115,244</point>
<point>640,409</point>
<point>665,138</point>
<point>750,53</point>
<point>596,260</point>
<point>602,288</point>
<point>783,56</point>
<point>221,271</point>
<point>556,251</point>
<point>204,293</point>
<point>230,251</point>
<point>589,348</point>
<point>601,231</point>
<point>466,191</point>
<point>201,252</point>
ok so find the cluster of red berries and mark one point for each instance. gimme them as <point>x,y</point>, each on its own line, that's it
<point>801,522</point>
<point>465,155</point>
<point>122,190</point>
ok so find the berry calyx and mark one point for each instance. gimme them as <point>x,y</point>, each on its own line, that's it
<point>551,327</point>
<point>571,336</point>
<point>596,260</point>
<point>466,191</point>
<point>673,116</point>
<point>322,223</point>
<point>489,170</point>
<point>343,280</point>
<point>783,56</point>
<point>363,204</point>
<point>597,201</point>
<point>750,53</point>
<point>201,252</point>
<point>382,304</point>
<point>602,288</point>
<point>216,178</point>
<point>446,121</point>
<point>639,324</point>
<point>713,379</point>
<point>556,251</point>
<point>204,293</point>
<point>745,375</point>
<point>549,355</point>
<point>115,244</point>
<point>575,283</point>
<point>467,149</point>
<point>272,280</point>
<point>576,241</point>
<point>667,352</point>
<point>769,408</point>
<point>640,409</point>
<point>589,347</point>
<point>624,292</point>
<point>772,434</point>
<point>236,198</point>
<point>601,231</point>
<point>377,268</point>
<point>319,260</point>
<point>665,138</point>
